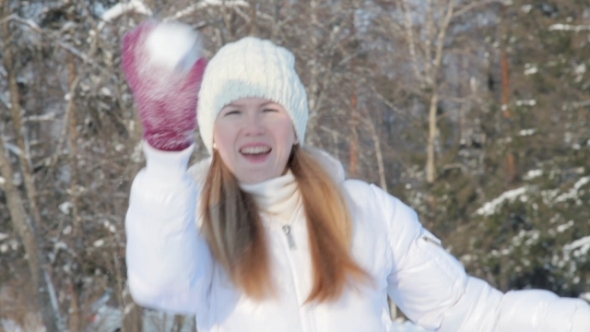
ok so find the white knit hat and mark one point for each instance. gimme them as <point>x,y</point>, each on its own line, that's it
<point>251,67</point>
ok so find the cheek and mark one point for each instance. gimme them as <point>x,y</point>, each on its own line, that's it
<point>285,134</point>
<point>223,134</point>
<point>224,139</point>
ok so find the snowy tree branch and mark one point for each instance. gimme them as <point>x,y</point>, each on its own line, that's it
<point>66,46</point>
<point>205,4</point>
<point>569,27</point>
<point>471,6</point>
<point>122,8</point>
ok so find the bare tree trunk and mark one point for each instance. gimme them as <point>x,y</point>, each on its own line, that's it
<point>378,153</point>
<point>510,167</point>
<point>433,70</point>
<point>72,138</point>
<point>253,20</point>
<point>505,98</point>
<point>505,91</point>
<point>426,79</point>
<point>132,315</point>
<point>409,34</point>
<point>353,145</point>
<point>194,325</point>
<point>314,86</point>
<point>26,233</point>
<point>505,84</point>
<point>432,133</point>
<point>227,20</point>
<point>18,127</point>
<point>74,311</point>
<point>392,308</point>
<point>178,322</point>
<point>45,294</point>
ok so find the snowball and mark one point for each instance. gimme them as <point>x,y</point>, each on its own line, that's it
<point>174,46</point>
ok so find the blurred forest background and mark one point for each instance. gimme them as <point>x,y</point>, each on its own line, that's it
<point>475,113</point>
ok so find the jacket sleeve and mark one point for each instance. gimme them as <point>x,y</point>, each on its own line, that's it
<point>432,289</point>
<point>168,262</point>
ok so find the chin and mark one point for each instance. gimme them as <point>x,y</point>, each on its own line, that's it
<point>255,178</point>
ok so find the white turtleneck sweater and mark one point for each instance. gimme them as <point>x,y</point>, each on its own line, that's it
<point>278,197</point>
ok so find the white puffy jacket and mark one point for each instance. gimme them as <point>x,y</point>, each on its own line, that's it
<point>171,268</point>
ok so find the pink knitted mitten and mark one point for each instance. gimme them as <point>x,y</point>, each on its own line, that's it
<point>165,84</point>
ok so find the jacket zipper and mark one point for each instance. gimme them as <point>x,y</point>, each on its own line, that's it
<point>290,239</point>
<point>287,230</point>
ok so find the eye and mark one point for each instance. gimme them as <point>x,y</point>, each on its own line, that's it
<point>269,110</point>
<point>232,112</point>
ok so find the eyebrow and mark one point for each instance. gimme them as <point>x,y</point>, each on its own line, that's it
<point>263,104</point>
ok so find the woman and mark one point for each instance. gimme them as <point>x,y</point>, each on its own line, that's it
<point>268,235</point>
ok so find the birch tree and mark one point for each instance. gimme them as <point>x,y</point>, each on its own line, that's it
<point>26,224</point>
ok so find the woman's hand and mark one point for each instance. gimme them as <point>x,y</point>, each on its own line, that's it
<point>164,68</point>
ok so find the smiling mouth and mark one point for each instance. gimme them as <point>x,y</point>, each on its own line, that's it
<point>255,150</point>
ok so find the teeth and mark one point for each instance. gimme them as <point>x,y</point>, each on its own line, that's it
<point>255,150</point>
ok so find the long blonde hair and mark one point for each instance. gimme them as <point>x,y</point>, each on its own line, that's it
<point>234,231</point>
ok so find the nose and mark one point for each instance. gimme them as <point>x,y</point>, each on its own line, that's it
<point>253,125</point>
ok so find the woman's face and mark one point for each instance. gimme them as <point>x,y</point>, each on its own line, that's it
<point>254,138</point>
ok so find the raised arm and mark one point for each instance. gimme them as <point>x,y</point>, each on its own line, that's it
<point>168,263</point>
<point>431,287</point>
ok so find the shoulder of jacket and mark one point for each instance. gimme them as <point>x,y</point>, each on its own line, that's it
<point>370,196</point>
<point>354,186</point>
<point>332,165</point>
<point>367,190</point>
